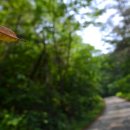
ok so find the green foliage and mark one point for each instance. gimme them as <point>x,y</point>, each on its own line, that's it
<point>115,69</point>
<point>124,95</point>
<point>50,80</point>
<point>123,85</point>
<point>90,116</point>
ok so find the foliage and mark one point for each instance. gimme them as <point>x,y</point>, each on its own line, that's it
<point>90,116</point>
<point>124,95</point>
<point>115,69</point>
<point>50,80</point>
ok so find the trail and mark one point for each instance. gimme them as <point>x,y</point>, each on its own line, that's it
<point>115,117</point>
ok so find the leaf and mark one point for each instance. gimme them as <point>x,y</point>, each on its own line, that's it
<point>7,35</point>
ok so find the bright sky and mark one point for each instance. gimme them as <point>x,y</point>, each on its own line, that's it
<point>92,35</point>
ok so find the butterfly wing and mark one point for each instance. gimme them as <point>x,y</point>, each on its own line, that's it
<point>7,35</point>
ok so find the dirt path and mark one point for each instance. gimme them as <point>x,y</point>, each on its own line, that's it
<point>115,117</point>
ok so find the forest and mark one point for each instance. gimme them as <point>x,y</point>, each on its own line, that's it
<point>50,79</point>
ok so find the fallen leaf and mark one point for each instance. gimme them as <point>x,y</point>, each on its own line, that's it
<point>7,35</point>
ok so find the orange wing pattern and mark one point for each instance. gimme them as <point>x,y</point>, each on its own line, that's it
<point>7,35</point>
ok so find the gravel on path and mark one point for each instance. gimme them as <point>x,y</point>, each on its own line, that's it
<point>115,117</point>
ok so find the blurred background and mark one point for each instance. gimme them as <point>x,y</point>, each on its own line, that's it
<point>54,79</point>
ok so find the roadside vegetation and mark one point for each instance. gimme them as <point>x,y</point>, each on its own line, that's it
<point>51,79</point>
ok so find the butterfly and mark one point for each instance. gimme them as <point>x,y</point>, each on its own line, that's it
<point>7,35</point>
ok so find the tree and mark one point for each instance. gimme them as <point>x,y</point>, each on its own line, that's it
<point>52,78</point>
<point>117,34</point>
